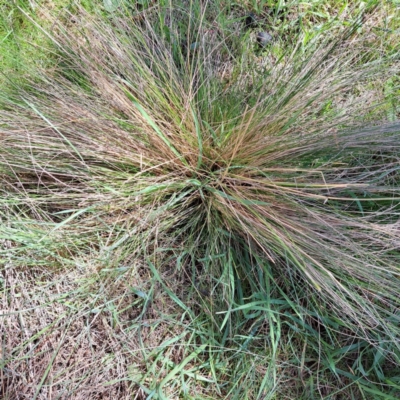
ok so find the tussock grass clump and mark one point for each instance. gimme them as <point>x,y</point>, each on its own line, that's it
<point>259,188</point>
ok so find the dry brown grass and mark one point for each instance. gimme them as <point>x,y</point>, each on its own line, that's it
<point>108,170</point>
<point>76,335</point>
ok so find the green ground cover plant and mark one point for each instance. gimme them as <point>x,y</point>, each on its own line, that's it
<point>188,214</point>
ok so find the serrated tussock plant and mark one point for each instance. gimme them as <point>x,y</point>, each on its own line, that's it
<point>138,142</point>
